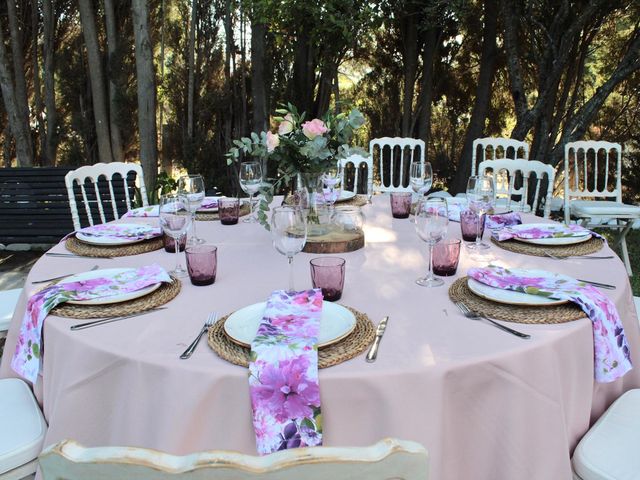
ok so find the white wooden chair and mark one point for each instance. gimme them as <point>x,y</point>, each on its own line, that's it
<point>519,170</point>
<point>509,148</point>
<point>610,450</point>
<point>387,459</point>
<point>359,180</point>
<point>95,198</point>
<point>22,430</point>
<point>8,301</point>
<point>593,190</point>
<point>400,152</point>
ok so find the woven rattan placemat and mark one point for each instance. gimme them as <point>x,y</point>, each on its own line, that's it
<point>162,295</point>
<point>567,312</point>
<point>357,201</point>
<point>592,245</point>
<point>349,347</point>
<point>80,248</point>
<point>245,209</point>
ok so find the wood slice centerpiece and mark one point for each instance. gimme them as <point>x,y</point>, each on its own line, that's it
<point>336,240</point>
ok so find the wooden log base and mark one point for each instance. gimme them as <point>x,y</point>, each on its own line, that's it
<point>336,241</point>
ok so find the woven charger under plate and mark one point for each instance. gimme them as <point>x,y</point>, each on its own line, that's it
<point>103,251</point>
<point>459,291</point>
<point>349,347</point>
<point>245,209</point>
<point>592,245</point>
<point>358,201</point>
<point>162,295</point>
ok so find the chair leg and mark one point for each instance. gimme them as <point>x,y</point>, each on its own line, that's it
<point>622,242</point>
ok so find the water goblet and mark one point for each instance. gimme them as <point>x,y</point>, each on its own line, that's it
<point>331,178</point>
<point>431,223</point>
<point>192,187</point>
<point>175,219</point>
<point>289,234</point>
<point>421,177</point>
<point>250,177</point>
<point>481,197</point>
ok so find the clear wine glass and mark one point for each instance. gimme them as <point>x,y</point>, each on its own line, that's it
<point>289,234</point>
<point>421,177</point>
<point>432,220</point>
<point>250,177</point>
<point>331,178</point>
<point>192,187</point>
<point>175,219</point>
<point>481,197</point>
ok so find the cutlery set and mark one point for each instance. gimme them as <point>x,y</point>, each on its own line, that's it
<point>102,321</point>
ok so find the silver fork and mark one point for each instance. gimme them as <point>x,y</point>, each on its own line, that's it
<point>582,257</point>
<point>213,316</point>
<point>475,316</point>
<point>47,280</point>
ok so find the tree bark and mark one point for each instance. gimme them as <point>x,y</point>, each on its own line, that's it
<point>191,61</point>
<point>37,90</point>
<point>96,76</point>
<point>17,49</point>
<point>409,30</point>
<point>48,53</point>
<point>483,95</point>
<point>146,93</point>
<point>21,134</point>
<point>426,85</point>
<point>112,74</point>
<point>258,81</point>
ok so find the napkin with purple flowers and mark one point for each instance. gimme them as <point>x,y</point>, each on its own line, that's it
<point>150,211</point>
<point>26,358</point>
<point>283,373</point>
<point>536,231</point>
<point>500,220</point>
<point>116,231</point>
<point>209,203</point>
<point>611,350</point>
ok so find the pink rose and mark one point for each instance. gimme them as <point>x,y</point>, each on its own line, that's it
<point>273,140</point>
<point>313,128</point>
<point>287,125</point>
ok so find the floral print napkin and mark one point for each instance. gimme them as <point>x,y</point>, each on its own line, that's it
<point>116,231</point>
<point>283,373</point>
<point>209,203</point>
<point>501,220</point>
<point>150,211</point>
<point>26,358</point>
<point>611,350</point>
<point>551,230</point>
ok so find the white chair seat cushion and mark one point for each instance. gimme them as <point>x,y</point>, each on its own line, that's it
<point>8,301</point>
<point>587,208</point>
<point>611,448</point>
<point>22,425</point>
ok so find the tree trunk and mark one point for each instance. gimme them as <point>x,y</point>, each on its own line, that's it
<point>426,85</point>
<point>410,62</point>
<point>37,91</point>
<point>112,72</point>
<point>258,81</point>
<point>304,66</point>
<point>146,94</point>
<point>483,95</point>
<point>96,75</point>
<point>191,85</point>
<point>48,20</point>
<point>17,49</point>
<point>19,129</point>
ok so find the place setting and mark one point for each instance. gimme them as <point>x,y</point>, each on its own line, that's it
<point>114,240</point>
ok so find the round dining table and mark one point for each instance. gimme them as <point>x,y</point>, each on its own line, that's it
<point>486,404</point>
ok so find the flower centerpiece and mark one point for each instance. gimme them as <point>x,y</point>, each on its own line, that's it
<point>302,149</point>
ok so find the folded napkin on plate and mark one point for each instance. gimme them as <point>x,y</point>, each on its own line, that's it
<point>551,230</point>
<point>209,203</point>
<point>26,358</point>
<point>115,231</point>
<point>500,220</point>
<point>150,211</point>
<point>283,373</point>
<point>611,351</point>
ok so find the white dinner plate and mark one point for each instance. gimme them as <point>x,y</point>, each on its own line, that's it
<point>577,237</point>
<point>95,240</point>
<point>345,195</point>
<point>336,323</point>
<point>123,297</point>
<point>511,297</point>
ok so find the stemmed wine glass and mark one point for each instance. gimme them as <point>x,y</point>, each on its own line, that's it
<point>289,234</point>
<point>192,187</point>
<point>331,178</point>
<point>175,219</point>
<point>431,223</point>
<point>250,177</point>
<point>481,196</point>
<point>421,177</point>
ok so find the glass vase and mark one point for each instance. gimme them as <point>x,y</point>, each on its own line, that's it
<point>317,219</point>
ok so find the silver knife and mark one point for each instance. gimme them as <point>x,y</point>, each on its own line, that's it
<point>373,351</point>
<point>598,284</point>
<point>102,321</point>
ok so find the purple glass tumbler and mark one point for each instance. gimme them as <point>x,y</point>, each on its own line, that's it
<point>446,254</point>
<point>202,264</point>
<point>400,204</point>
<point>170,243</point>
<point>327,273</point>
<point>229,210</point>
<point>469,225</point>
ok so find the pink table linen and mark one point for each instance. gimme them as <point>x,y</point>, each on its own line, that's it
<point>487,405</point>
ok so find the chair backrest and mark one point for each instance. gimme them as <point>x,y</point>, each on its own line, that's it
<point>520,172</point>
<point>92,173</point>
<point>361,182</point>
<point>387,459</point>
<point>507,147</point>
<point>394,157</point>
<point>590,171</point>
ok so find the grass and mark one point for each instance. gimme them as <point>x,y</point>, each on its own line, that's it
<point>633,242</point>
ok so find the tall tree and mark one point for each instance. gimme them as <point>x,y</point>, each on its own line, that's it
<point>146,93</point>
<point>96,75</point>
<point>191,83</point>
<point>48,47</point>
<point>112,73</point>
<point>17,50</point>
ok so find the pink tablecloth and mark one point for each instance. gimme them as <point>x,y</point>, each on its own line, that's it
<point>487,405</point>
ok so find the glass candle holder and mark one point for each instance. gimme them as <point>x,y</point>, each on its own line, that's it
<point>446,255</point>
<point>202,264</point>
<point>327,273</point>
<point>469,225</point>
<point>400,204</point>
